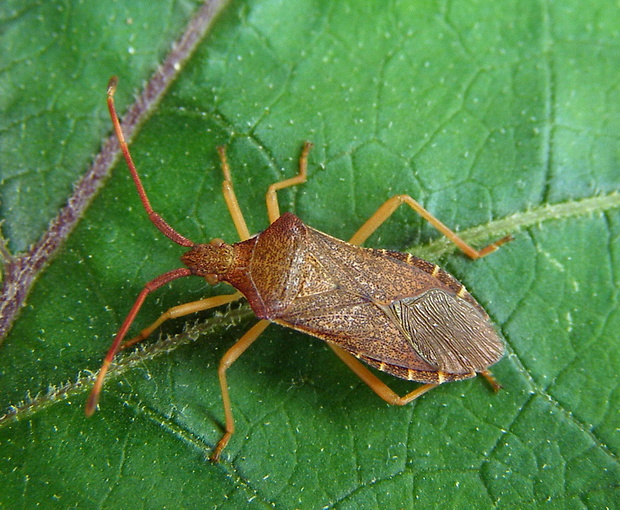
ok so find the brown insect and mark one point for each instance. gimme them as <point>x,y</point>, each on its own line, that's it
<point>398,313</point>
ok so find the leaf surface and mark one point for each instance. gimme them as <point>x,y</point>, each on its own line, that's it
<point>499,117</point>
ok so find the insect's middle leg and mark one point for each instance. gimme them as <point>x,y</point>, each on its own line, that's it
<point>227,360</point>
<point>390,205</point>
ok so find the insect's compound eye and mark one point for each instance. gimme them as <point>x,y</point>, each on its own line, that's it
<point>212,279</point>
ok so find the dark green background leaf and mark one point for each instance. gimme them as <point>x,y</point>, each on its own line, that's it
<point>486,112</point>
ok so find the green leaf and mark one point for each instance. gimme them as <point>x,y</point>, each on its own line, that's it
<point>498,117</point>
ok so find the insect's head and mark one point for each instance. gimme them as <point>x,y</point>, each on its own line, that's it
<point>211,261</point>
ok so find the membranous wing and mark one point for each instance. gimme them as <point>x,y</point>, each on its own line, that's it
<point>446,331</point>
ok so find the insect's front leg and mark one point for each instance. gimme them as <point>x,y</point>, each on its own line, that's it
<point>273,209</point>
<point>181,311</point>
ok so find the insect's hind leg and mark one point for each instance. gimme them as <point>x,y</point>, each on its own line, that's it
<point>273,209</point>
<point>390,205</point>
<point>376,384</point>
<point>371,225</point>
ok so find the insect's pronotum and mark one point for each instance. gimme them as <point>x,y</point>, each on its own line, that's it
<point>396,312</point>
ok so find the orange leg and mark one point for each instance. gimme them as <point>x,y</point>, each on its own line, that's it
<point>231,199</point>
<point>181,311</point>
<point>390,205</point>
<point>273,210</point>
<point>376,384</point>
<point>227,360</point>
<point>491,380</point>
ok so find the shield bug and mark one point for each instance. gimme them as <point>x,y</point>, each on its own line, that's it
<point>396,312</point>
